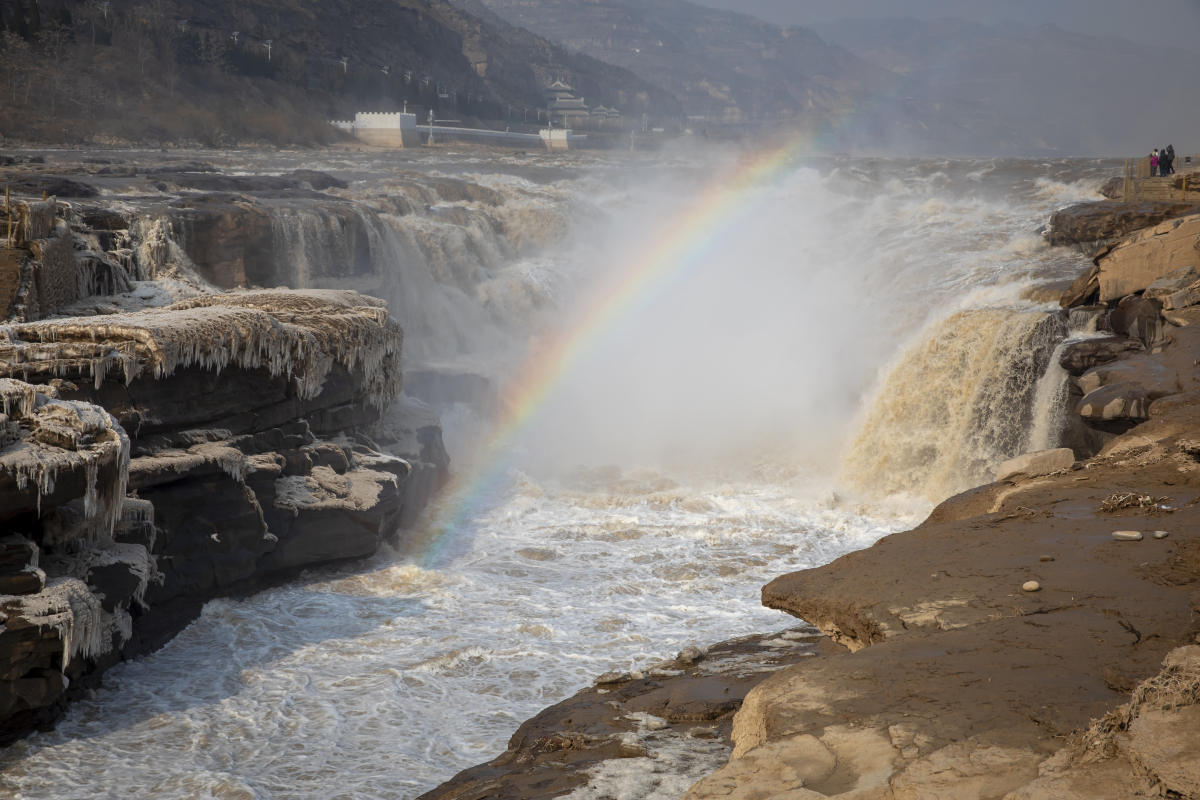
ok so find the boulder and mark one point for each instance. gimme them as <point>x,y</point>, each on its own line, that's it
<point>1139,318</point>
<point>1078,357</point>
<point>1085,287</point>
<point>1041,462</point>
<point>1139,260</point>
<point>1183,317</point>
<point>1173,282</point>
<point>1089,226</point>
<point>1119,402</point>
<point>1113,188</point>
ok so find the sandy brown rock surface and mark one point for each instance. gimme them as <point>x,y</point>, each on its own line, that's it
<point>673,719</point>
<point>955,681</point>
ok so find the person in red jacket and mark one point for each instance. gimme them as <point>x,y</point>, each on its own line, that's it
<point>1154,164</point>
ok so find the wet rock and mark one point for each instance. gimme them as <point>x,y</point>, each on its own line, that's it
<point>1078,357</point>
<point>1138,318</point>
<point>52,186</point>
<point>1121,402</point>
<point>1042,462</point>
<point>1031,586</point>
<point>1161,534</point>
<point>611,677</point>
<point>320,181</point>
<point>1127,536</point>
<point>1083,290</point>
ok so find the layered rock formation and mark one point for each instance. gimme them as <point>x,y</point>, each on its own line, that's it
<point>1091,226</point>
<point>157,459</point>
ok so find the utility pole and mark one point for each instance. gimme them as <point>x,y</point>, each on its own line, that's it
<point>268,43</point>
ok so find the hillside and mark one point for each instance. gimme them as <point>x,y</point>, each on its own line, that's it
<point>173,72</point>
<point>725,66</point>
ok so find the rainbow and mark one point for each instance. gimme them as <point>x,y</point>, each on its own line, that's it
<point>682,246</point>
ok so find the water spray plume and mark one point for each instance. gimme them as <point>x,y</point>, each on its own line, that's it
<point>686,238</point>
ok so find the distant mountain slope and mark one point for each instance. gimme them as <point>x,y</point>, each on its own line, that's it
<point>721,65</point>
<point>430,37</point>
<point>948,87</point>
<point>1014,88</point>
<point>174,71</point>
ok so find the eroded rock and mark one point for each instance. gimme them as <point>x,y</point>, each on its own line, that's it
<point>1042,462</point>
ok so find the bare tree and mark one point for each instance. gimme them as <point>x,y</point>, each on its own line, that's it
<point>143,49</point>
<point>16,58</point>
<point>93,15</point>
<point>52,38</point>
<point>171,71</point>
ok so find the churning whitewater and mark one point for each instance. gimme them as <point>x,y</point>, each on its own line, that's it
<point>865,341</point>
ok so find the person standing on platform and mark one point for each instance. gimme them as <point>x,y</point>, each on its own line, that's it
<point>1154,164</point>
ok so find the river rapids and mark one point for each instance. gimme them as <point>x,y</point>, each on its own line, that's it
<point>866,339</point>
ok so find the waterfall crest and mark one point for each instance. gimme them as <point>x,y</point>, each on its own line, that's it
<point>957,403</point>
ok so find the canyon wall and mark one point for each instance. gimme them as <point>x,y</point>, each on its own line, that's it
<point>155,460</point>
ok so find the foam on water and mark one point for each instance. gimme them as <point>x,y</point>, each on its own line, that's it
<point>382,680</point>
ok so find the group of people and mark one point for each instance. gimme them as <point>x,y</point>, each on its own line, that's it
<point>1162,162</point>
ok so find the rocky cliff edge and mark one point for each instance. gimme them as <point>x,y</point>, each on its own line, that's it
<point>151,461</point>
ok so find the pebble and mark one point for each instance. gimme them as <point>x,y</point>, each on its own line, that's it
<point>1031,586</point>
<point>1046,558</point>
<point>1161,534</point>
<point>1127,536</point>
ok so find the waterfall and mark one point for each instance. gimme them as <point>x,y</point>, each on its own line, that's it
<point>967,396</point>
<point>466,272</point>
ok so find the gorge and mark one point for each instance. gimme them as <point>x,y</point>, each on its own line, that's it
<point>288,355</point>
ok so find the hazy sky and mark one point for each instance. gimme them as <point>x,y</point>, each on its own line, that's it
<point>1169,22</point>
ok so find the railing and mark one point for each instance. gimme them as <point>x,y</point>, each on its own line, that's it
<point>442,133</point>
<point>1139,186</point>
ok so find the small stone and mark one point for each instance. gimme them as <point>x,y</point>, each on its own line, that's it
<point>1127,536</point>
<point>1046,558</point>
<point>611,677</point>
<point>1161,534</point>
<point>636,675</point>
<point>1031,586</point>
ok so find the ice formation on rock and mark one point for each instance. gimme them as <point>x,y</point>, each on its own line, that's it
<point>299,334</point>
<point>46,438</point>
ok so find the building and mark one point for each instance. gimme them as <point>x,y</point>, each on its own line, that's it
<point>565,108</point>
<point>383,129</point>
